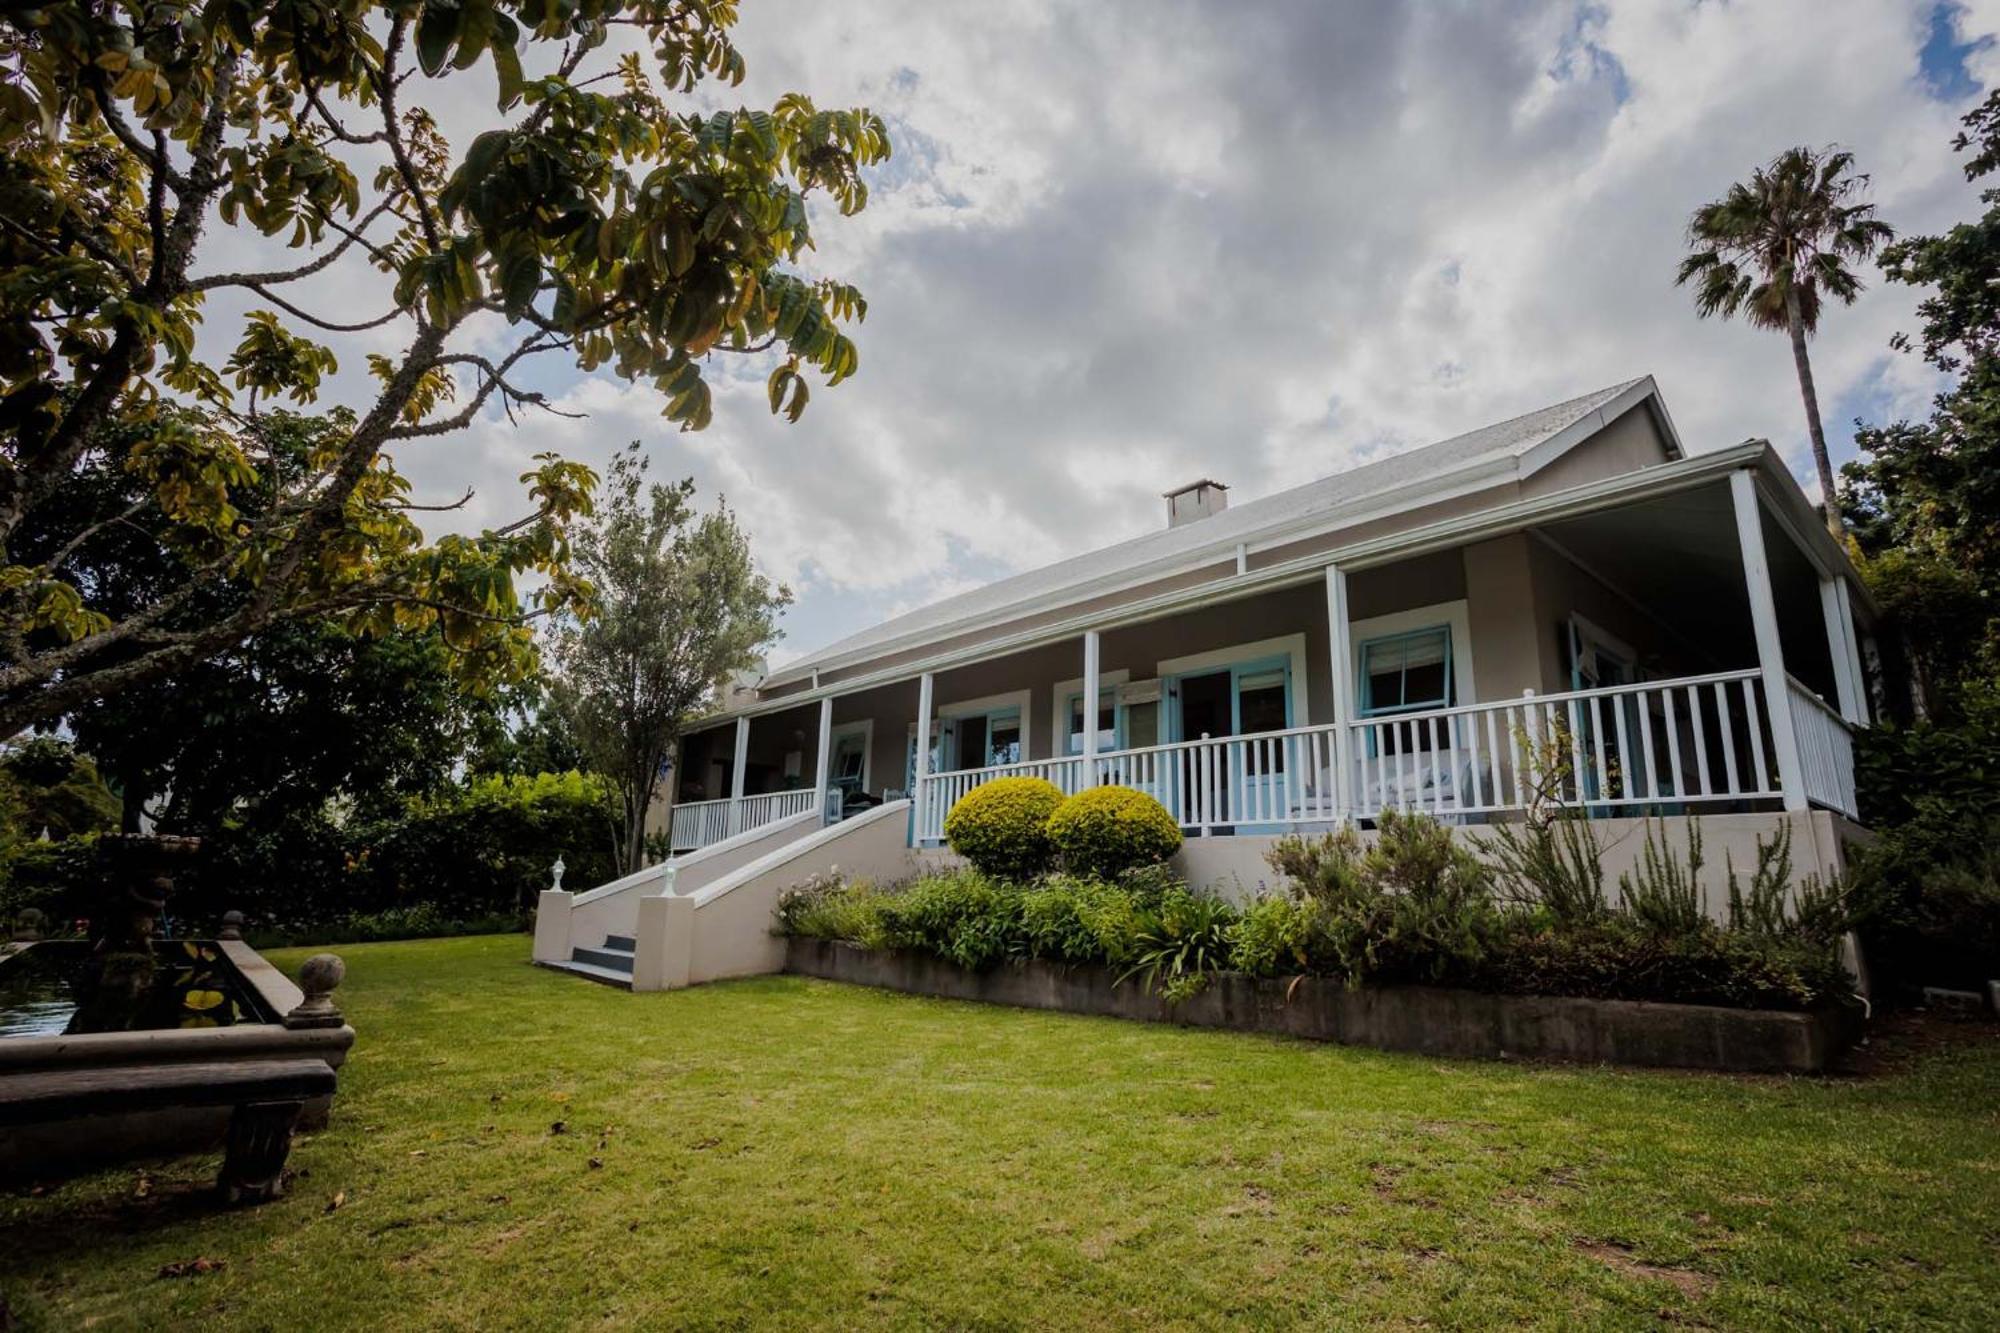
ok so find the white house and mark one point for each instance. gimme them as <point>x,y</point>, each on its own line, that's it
<point>1670,634</point>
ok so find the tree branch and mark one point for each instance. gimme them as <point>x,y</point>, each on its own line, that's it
<point>276,276</point>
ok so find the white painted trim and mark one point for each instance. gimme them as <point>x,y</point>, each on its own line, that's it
<point>739,774</point>
<point>1285,645</point>
<point>1770,649</point>
<point>1093,690</point>
<point>866,726</point>
<point>1456,614</point>
<point>926,683</point>
<point>1340,647</point>
<point>825,753</point>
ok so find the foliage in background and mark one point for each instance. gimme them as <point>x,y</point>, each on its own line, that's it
<point>680,608</point>
<point>1775,250</point>
<point>1106,831</point>
<point>599,218</point>
<point>1002,826</point>
<point>1924,503</point>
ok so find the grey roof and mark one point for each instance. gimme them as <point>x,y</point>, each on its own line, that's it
<point>1164,548</point>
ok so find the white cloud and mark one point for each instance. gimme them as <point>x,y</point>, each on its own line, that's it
<point>1129,242</point>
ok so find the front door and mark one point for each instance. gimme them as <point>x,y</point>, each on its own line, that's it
<point>1244,700</point>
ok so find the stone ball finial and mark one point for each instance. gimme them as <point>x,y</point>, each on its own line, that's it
<point>319,975</point>
<point>28,925</point>
<point>232,926</point>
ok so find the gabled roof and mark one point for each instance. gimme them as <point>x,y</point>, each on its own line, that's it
<point>1506,450</point>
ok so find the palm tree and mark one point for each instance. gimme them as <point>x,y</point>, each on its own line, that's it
<point>1772,249</point>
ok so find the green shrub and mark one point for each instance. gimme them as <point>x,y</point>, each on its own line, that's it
<point>962,916</point>
<point>1183,944</point>
<point>1554,864</point>
<point>1414,907</point>
<point>1276,937</point>
<point>1108,831</point>
<point>826,907</point>
<point>1620,959</point>
<point>1663,892</point>
<point>1001,827</point>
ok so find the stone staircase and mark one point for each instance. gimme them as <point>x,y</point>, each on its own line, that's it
<point>609,964</point>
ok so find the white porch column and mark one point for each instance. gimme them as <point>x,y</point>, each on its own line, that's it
<point>1846,681</point>
<point>825,755</point>
<point>741,772</point>
<point>1851,635</point>
<point>1342,656</point>
<point>1770,651</point>
<point>925,684</point>
<point>1091,686</point>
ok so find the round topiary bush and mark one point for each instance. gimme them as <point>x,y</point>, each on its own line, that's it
<point>1107,831</point>
<point>1002,826</point>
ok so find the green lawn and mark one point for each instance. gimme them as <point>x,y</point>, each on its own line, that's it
<point>796,1153</point>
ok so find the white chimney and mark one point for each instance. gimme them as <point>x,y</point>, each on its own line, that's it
<point>1197,499</point>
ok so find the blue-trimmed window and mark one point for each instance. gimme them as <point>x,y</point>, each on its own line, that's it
<point>1110,721</point>
<point>1406,673</point>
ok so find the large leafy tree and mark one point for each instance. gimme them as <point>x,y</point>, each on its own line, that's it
<point>592,220</point>
<point>680,609</point>
<point>1774,249</point>
<point>1924,496</point>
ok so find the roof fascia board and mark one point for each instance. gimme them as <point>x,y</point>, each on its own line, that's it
<point>1608,493</point>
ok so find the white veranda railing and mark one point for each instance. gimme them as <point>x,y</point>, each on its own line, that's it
<point>1653,747</point>
<point>699,824</point>
<point>1826,751</point>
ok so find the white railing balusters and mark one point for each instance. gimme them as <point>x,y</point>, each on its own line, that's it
<point>1468,760</point>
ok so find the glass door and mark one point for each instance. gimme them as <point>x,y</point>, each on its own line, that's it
<point>1261,695</point>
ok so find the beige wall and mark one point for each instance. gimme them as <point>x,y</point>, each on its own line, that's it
<point>1629,443</point>
<point>1235,867</point>
<point>724,930</point>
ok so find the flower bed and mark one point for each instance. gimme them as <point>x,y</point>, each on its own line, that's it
<point>1415,912</point>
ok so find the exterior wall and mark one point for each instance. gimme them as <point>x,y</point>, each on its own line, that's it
<point>1629,443</point>
<point>724,930</point>
<point>1506,624</point>
<point>1235,867</point>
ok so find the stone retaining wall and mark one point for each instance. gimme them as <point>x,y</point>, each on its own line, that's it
<point>1425,1019</point>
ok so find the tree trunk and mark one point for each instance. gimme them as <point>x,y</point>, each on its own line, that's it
<point>1828,501</point>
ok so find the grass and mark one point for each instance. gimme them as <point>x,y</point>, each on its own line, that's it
<point>784,1152</point>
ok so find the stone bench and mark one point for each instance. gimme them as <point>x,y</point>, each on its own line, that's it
<point>267,1096</point>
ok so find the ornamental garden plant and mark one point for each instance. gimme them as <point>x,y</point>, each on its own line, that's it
<point>1414,907</point>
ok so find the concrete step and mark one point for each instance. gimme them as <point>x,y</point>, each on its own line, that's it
<point>615,960</point>
<point>603,976</point>
<point>622,942</point>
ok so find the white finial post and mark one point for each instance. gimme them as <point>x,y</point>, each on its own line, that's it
<point>668,874</point>
<point>557,870</point>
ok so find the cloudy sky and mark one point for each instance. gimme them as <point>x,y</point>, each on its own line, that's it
<point>1124,243</point>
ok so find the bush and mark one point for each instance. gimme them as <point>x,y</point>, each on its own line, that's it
<point>1108,831</point>
<point>963,917</point>
<point>1001,827</point>
<point>1179,947</point>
